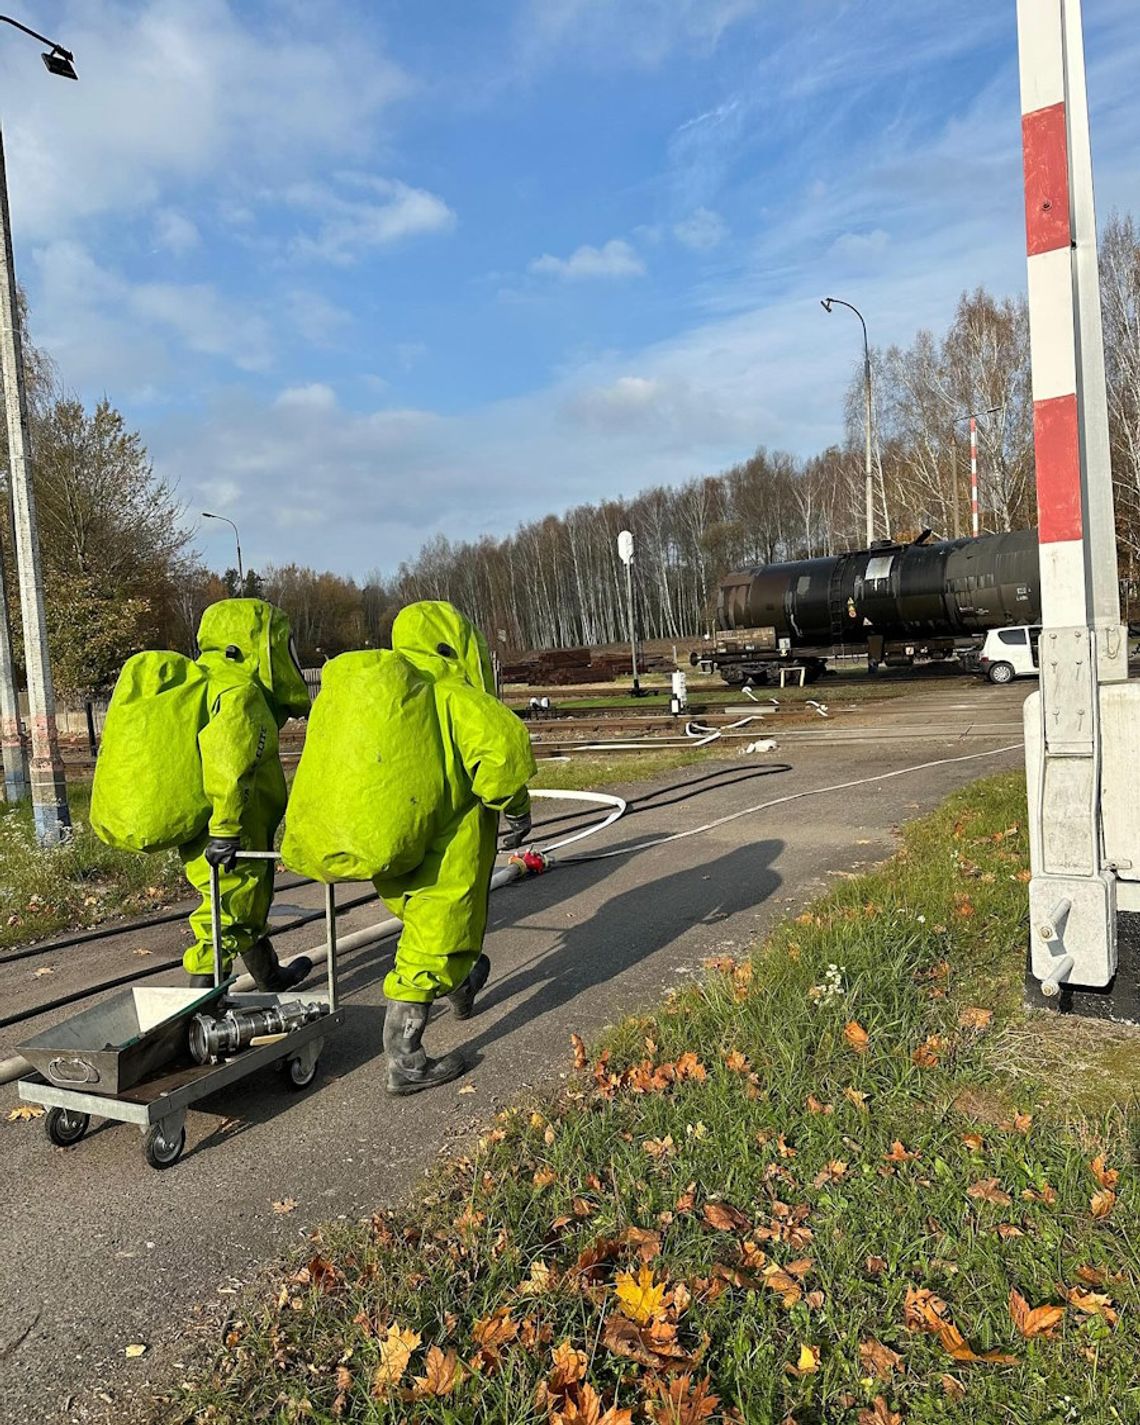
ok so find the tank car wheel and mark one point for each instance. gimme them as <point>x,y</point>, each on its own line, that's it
<point>1000,673</point>
<point>160,1151</point>
<point>65,1127</point>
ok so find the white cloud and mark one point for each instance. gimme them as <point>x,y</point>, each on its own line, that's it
<point>861,247</point>
<point>175,232</point>
<point>179,92</point>
<point>615,259</point>
<point>350,227</point>
<point>206,321</point>
<point>610,35</point>
<point>702,230</point>
<point>314,397</point>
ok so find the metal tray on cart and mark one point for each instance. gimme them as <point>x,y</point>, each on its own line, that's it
<point>157,1103</point>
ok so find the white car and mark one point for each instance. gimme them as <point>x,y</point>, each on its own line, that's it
<point>1010,653</point>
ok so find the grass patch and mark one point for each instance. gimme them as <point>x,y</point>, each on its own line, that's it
<point>807,1187</point>
<point>82,883</point>
<point>583,773</point>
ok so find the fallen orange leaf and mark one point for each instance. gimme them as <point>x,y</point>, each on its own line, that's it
<point>988,1190</point>
<point>1106,1177</point>
<point>880,1413</point>
<point>1103,1202</point>
<point>879,1360</point>
<point>441,1373</point>
<point>1033,1321</point>
<point>396,1347</point>
<point>856,1036</point>
<point>975,1018</point>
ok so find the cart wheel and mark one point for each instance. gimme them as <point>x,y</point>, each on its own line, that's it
<point>161,1152</point>
<point>298,1076</point>
<point>65,1127</point>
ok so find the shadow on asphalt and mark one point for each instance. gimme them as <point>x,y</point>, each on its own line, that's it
<point>626,930</point>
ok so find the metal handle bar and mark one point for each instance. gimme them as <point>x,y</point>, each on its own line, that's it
<point>216,922</point>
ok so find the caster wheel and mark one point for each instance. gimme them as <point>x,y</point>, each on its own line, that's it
<point>65,1127</point>
<point>297,1076</point>
<point>161,1152</point>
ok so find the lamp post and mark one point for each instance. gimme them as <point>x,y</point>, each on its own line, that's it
<point>48,784</point>
<point>206,515</point>
<point>827,303</point>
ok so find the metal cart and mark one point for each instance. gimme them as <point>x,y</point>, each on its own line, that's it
<point>85,1073</point>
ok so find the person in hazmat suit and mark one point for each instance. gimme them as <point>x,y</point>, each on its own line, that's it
<point>443,902</point>
<point>254,685</point>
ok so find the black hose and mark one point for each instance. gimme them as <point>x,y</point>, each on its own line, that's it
<point>120,927</point>
<point>158,969</point>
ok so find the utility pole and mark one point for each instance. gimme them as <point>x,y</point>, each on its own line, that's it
<point>625,553</point>
<point>15,754</point>
<point>1081,727</point>
<point>48,784</point>
<point>827,303</point>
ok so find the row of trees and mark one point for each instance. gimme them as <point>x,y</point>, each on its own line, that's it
<point>121,574</point>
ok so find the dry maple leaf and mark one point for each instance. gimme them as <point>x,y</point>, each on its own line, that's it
<point>660,1147</point>
<point>975,1018</point>
<point>641,1298</point>
<point>569,1366</point>
<point>540,1281</point>
<point>813,1105</point>
<point>625,1338</point>
<point>543,1178</point>
<point>682,1401</point>
<point>856,1036</point>
<point>396,1346</point>
<point>442,1373</point>
<point>1022,1123</point>
<point>954,1344</point>
<point>857,1097</point>
<point>876,1265</point>
<point>880,1413</point>
<point>1033,1321</point>
<point>778,1280</point>
<point>1102,1202</point>
<point>285,1206</point>
<point>830,1173</point>
<point>581,1058</point>
<point>1092,1275</point>
<point>1007,1231</point>
<point>974,1141</point>
<point>929,1052</point>
<point>988,1190</point>
<point>879,1360</point>
<point>724,1217</point>
<point>1092,1303</point>
<point>648,1243</point>
<point>494,1332</point>
<point>737,1062</point>
<point>900,1154</point>
<point>1106,1177</point>
<point>923,1311</point>
<point>24,1113</point>
<point>1047,1195</point>
<point>953,1388</point>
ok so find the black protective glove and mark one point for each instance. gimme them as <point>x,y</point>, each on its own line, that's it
<point>221,851</point>
<point>518,829</point>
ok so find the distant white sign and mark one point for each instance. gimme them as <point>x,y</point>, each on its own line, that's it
<point>625,546</point>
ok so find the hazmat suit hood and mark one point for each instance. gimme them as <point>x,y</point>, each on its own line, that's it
<point>251,638</point>
<point>439,641</point>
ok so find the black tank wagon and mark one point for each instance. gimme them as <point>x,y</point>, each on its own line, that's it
<point>897,601</point>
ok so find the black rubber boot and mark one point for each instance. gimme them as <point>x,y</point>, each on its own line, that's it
<point>409,1068</point>
<point>462,1000</point>
<point>201,982</point>
<point>269,975</point>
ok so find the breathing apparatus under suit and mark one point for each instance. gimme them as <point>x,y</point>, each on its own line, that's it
<point>254,686</point>
<point>443,902</point>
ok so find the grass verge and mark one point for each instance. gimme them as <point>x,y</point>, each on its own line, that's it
<point>583,773</point>
<point>806,1190</point>
<point>79,884</point>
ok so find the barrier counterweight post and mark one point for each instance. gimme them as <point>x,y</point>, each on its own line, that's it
<point>974,511</point>
<point>1083,646</point>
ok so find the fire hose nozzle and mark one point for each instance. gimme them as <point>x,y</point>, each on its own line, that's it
<point>222,1038</point>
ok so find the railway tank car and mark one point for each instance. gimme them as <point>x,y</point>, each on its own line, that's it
<point>929,593</point>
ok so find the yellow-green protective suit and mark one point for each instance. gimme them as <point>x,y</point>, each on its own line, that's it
<point>255,686</point>
<point>487,764</point>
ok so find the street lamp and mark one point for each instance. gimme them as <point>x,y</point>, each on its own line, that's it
<point>49,785</point>
<point>827,303</point>
<point>206,515</point>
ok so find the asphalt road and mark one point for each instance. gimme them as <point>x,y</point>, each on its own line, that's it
<point>101,1252</point>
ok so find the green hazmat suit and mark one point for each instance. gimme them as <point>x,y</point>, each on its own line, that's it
<point>254,687</point>
<point>487,764</point>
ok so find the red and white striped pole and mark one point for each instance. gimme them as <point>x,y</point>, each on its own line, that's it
<point>1070,413</point>
<point>974,475</point>
<point>1083,648</point>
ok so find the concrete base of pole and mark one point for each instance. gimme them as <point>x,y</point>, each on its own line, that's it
<point>1118,1002</point>
<point>50,811</point>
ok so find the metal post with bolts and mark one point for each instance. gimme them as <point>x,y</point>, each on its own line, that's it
<point>48,784</point>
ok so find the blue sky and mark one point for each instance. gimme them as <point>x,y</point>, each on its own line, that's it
<point>362,273</point>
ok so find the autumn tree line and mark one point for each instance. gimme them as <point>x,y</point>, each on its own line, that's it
<point>121,572</point>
